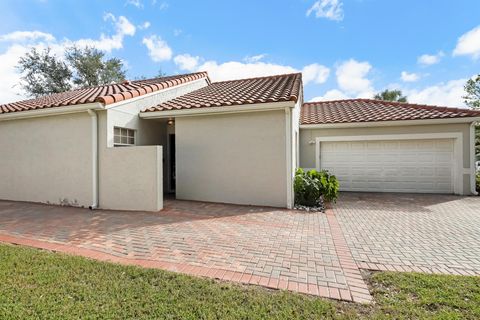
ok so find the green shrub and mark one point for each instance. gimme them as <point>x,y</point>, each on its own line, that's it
<point>310,186</point>
<point>328,184</point>
<point>478,182</point>
<point>306,188</point>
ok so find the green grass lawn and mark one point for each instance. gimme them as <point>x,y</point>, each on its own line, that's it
<point>44,285</point>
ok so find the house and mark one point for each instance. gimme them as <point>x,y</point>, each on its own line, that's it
<point>122,146</point>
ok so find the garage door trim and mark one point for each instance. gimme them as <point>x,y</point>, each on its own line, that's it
<point>457,148</point>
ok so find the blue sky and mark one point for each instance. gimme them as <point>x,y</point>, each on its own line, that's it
<point>345,48</point>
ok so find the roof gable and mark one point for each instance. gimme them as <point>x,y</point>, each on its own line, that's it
<point>368,110</point>
<point>106,94</point>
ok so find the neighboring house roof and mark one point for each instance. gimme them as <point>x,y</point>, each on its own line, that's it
<point>106,94</point>
<point>277,88</point>
<point>367,110</point>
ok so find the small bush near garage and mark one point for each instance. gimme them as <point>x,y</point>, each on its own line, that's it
<point>478,182</point>
<point>314,186</point>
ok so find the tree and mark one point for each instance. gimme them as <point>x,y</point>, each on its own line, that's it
<point>391,95</point>
<point>472,89</point>
<point>44,73</point>
<point>91,69</point>
<point>472,99</point>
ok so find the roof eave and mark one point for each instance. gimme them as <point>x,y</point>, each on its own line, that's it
<point>255,107</point>
<point>51,111</point>
<point>390,123</point>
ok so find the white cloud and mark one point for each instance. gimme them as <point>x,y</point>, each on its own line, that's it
<point>10,76</point>
<point>20,42</point>
<point>21,36</point>
<point>238,70</point>
<point>329,9</point>
<point>164,5</point>
<point>333,94</point>
<point>157,48</point>
<point>256,58</point>
<point>123,27</point>
<point>315,72</point>
<point>186,62</point>
<point>177,32</point>
<point>352,77</point>
<point>469,44</point>
<point>409,77</point>
<point>443,94</point>
<point>135,3</point>
<point>144,25</point>
<point>429,59</point>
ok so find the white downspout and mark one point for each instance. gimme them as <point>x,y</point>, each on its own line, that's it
<point>94,118</point>
<point>472,159</point>
<point>288,147</point>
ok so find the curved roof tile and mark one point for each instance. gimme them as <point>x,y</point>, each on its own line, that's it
<point>106,94</point>
<point>368,110</point>
<point>277,88</point>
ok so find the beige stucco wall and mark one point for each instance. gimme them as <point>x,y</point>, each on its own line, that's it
<point>307,150</point>
<point>131,178</point>
<point>47,159</point>
<point>232,158</point>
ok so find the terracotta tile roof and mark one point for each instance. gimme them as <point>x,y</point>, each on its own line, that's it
<point>277,88</point>
<point>106,94</point>
<point>366,110</point>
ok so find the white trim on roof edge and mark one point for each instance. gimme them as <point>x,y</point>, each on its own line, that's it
<point>52,111</point>
<point>390,123</point>
<point>268,106</point>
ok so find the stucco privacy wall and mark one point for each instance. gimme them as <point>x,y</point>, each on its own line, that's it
<point>130,178</point>
<point>307,150</point>
<point>47,159</point>
<point>232,158</point>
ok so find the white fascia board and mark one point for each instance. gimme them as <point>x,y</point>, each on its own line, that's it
<point>393,123</point>
<point>269,106</point>
<point>53,111</point>
<point>120,103</point>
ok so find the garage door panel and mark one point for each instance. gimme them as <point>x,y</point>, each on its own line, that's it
<point>391,166</point>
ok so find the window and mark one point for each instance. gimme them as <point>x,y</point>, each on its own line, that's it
<point>123,137</point>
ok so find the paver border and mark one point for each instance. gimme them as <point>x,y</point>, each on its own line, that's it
<point>357,288</point>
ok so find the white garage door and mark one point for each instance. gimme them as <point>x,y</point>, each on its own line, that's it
<point>421,166</point>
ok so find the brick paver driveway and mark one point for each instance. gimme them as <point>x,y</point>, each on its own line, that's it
<point>412,232</point>
<point>275,248</point>
<point>315,253</point>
